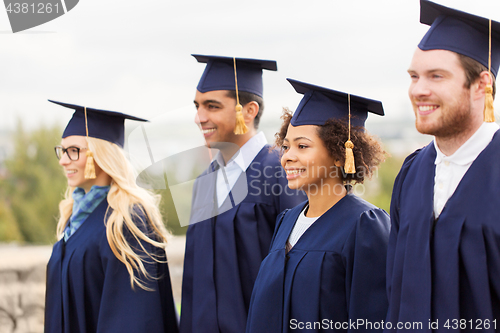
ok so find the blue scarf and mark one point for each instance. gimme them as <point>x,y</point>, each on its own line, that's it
<point>83,205</point>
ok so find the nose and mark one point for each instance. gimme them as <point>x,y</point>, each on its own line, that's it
<point>64,160</point>
<point>288,156</point>
<point>200,116</point>
<point>419,88</point>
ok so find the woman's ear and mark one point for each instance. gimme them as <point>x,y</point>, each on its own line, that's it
<point>339,164</point>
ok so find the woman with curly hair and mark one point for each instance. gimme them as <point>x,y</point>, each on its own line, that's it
<point>108,272</point>
<point>326,264</point>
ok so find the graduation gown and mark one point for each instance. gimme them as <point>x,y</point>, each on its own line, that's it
<point>88,288</point>
<point>224,252</point>
<point>333,276</point>
<point>446,269</point>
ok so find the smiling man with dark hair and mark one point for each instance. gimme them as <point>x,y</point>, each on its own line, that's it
<point>235,202</point>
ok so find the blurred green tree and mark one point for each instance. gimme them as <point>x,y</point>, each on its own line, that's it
<point>9,230</point>
<point>379,188</point>
<point>33,187</point>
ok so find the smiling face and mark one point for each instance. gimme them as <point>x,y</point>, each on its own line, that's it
<point>440,100</point>
<point>216,116</point>
<point>308,164</point>
<point>75,170</point>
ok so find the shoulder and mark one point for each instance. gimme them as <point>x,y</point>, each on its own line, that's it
<point>370,228</point>
<point>426,151</point>
<point>367,213</point>
<point>414,159</point>
<point>267,157</point>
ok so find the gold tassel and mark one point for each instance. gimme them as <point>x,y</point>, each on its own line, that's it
<point>489,115</point>
<point>241,127</point>
<point>349,166</point>
<point>89,166</point>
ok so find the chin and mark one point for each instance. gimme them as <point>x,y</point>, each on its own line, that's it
<point>293,185</point>
<point>425,128</point>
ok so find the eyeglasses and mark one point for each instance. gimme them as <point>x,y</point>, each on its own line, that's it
<point>72,152</point>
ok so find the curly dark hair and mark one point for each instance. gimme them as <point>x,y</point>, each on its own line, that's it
<point>368,150</point>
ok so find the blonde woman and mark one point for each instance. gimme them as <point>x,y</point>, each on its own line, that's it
<point>108,271</point>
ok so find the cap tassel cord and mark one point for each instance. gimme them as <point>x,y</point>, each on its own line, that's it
<point>241,127</point>
<point>89,165</point>
<point>489,112</point>
<point>349,166</point>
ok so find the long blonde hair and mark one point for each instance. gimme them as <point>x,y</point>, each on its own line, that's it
<point>127,200</point>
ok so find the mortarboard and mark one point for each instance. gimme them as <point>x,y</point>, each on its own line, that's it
<point>460,32</point>
<point>101,124</point>
<point>219,73</point>
<point>470,35</point>
<point>320,104</point>
<point>95,123</point>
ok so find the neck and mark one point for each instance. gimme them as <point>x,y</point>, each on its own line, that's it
<point>449,145</point>
<point>103,179</point>
<point>320,201</point>
<point>229,149</point>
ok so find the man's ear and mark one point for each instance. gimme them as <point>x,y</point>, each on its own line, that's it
<point>250,111</point>
<point>484,79</point>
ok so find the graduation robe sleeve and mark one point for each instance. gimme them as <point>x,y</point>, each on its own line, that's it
<point>88,288</point>
<point>335,273</point>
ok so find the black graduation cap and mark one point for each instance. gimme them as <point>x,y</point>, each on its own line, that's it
<point>101,124</point>
<point>320,104</point>
<point>219,73</point>
<point>460,32</point>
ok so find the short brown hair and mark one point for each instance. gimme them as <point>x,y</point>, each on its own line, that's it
<point>245,98</point>
<point>368,151</point>
<point>473,70</point>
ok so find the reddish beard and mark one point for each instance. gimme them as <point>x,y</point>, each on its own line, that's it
<point>453,119</point>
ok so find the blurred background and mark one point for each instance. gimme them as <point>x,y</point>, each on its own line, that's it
<point>134,57</point>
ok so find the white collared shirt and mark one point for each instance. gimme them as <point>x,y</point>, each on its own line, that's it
<point>228,174</point>
<point>451,169</point>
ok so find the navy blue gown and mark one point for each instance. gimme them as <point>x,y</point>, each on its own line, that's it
<point>333,276</point>
<point>88,288</point>
<point>446,269</point>
<point>223,253</point>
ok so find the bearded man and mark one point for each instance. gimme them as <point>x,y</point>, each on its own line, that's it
<point>444,249</point>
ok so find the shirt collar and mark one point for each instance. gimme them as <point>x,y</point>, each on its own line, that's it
<point>246,153</point>
<point>469,151</point>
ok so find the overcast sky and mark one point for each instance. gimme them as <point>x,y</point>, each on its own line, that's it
<point>134,56</point>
